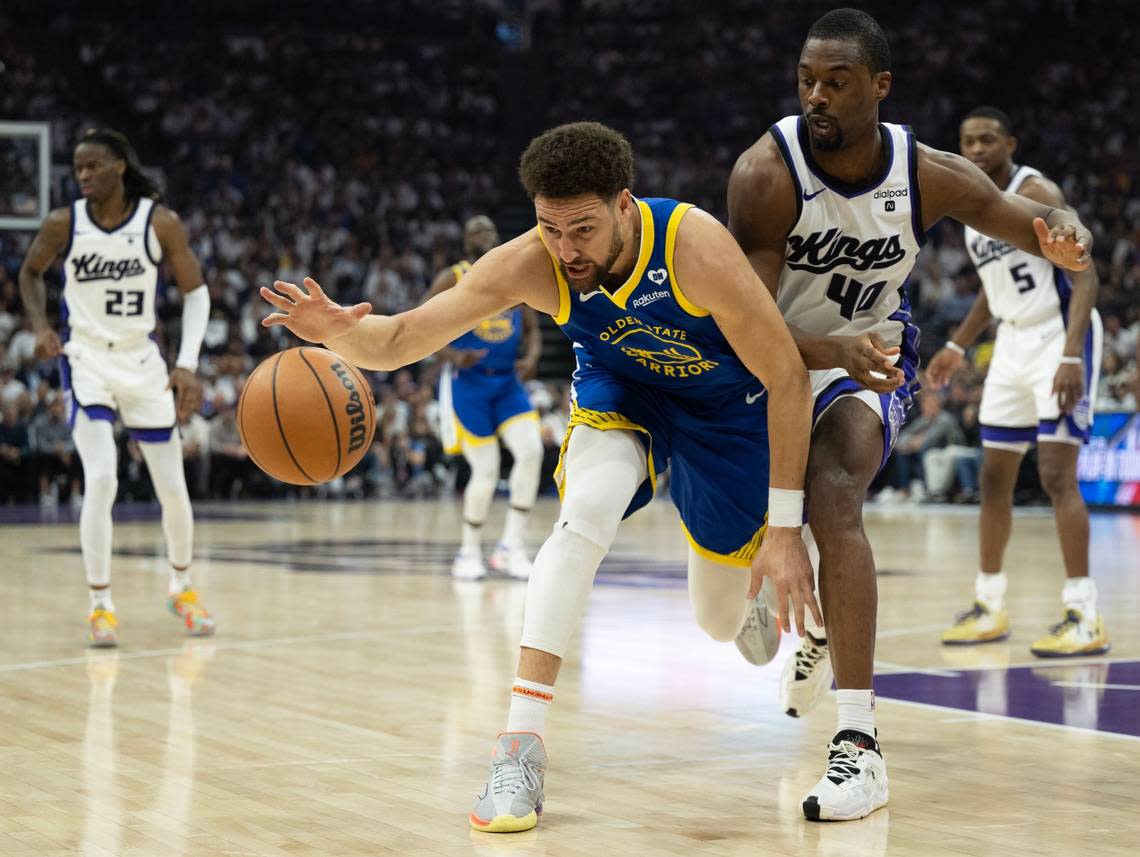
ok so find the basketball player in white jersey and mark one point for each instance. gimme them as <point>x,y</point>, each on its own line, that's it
<point>831,207</point>
<point>113,242</point>
<point>482,403</point>
<point>1039,389</point>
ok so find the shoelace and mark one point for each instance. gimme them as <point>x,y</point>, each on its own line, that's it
<point>975,612</point>
<point>1071,618</point>
<point>807,657</point>
<point>513,774</point>
<point>843,761</point>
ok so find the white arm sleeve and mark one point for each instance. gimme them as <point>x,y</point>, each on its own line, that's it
<point>195,316</point>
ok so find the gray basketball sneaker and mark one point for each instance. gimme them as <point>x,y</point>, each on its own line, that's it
<point>511,799</point>
<point>759,638</point>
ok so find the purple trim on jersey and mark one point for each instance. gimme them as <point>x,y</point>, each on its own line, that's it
<point>98,412</point>
<point>915,192</point>
<point>786,154</point>
<point>1064,292</point>
<point>151,435</point>
<point>839,387</point>
<point>845,189</point>
<point>146,235</point>
<point>1008,434</point>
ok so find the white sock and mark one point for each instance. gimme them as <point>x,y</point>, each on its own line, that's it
<point>101,599</point>
<point>179,580</point>
<point>856,710</point>
<point>989,590</point>
<point>514,528</point>
<point>1080,594</point>
<point>529,703</point>
<point>470,538</point>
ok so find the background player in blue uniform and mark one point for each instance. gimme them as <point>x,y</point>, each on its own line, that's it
<point>112,242</point>
<point>682,357</point>
<point>482,402</point>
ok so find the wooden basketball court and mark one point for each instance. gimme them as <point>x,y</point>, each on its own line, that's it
<point>348,703</point>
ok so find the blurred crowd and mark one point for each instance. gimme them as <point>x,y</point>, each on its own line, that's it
<point>349,141</point>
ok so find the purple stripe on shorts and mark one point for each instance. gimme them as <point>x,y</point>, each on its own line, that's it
<point>151,435</point>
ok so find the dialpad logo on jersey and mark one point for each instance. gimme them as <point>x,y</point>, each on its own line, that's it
<point>92,266</point>
<point>497,329</point>
<point>986,249</point>
<point>662,350</point>
<point>820,252</point>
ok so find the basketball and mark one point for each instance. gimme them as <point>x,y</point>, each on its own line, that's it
<point>306,416</point>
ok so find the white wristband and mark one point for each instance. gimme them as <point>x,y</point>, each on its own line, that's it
<point>1072,361</point>
<point>195,317</point>
<point>785,507</point>
<point>955,347</point>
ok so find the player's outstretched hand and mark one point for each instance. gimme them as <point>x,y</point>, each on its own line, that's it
<point>870,361</point>
<point>187,389</point>
<point>1063,245</point>
<point>942,368</point>
<point>783,559</point>
<point>463,358</point>
<point>1068,386</point>
<point>48,344</point>
<point>308,313</point>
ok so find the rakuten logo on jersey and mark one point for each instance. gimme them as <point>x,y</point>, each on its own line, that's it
<point>92,266</point>
<point>822,251</point>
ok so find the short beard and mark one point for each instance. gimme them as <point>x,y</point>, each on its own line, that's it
<point>617,245</point>
<point>833,144</point>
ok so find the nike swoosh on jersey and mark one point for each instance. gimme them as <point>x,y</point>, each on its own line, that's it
<point>810,196</point>
<point>752,397</point>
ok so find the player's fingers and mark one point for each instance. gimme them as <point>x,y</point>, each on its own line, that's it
<point>360,310</point>
<point>1041,230</point>
<point>275,318</point>
<point>782,603</point>
<point>290,291</point>
<point>798,604</point>
<point>314,287</point>
<point>277,300</point>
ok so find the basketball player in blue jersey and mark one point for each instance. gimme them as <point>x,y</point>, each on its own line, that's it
<point>831,207</point>
<point>482,400</point>
<point>1039,389</point>
<point>113,242</point>
<point>681,357</point>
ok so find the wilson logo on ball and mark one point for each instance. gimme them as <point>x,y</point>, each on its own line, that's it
<point>354,407</point>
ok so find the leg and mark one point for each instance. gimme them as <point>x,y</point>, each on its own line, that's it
<point>998,478</point>
<point>164,463</point>
<point>483,459</point>
<point>602,472</point>
<point>1057,466</point>
<point>522,438</point>
<point>719,595</point>
<point>846,452</point>
<point>95,442</point>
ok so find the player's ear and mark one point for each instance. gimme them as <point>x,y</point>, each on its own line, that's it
<point>882,85</point>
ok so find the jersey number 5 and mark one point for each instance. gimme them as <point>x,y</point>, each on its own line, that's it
<point>115,304</point>
<point>1024,279</point>
<point>852,296</point>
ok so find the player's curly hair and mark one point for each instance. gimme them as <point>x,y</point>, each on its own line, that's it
<point>575,159</point>
<point>136,183</point>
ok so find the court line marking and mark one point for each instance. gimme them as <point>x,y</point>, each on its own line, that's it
<point>1036,663</point>
<point>95,656</point>
<point>1095,684</point>
<point>962,714</point>
<point>897,669</point>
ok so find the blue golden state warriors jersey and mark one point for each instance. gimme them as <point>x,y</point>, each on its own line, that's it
<point>499,335</point>
<point>647,331</point>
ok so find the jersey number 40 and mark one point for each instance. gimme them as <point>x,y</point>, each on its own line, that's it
<point>852,296</point>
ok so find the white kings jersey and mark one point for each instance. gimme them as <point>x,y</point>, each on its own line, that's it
<point>852,247</point>
<point>1020,287</point>
<point>111,276</point>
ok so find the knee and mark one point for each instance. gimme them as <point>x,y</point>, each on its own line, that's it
<point>528,451</point>
<point>1057,481</point>
<point>995,485</point>
<point>102,483</point>
<point>720,624</point>
<point>835,499</point>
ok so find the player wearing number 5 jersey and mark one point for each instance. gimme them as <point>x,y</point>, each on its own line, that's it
<point>831,207</point>
<point>1039,389</point>
<point>113,241</point>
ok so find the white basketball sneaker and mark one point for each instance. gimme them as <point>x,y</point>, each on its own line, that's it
<point>468,565</point>
<point>512,561</point>
<point>806,677</point>
<point>855,784</point>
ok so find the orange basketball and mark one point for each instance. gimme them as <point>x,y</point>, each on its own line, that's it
<point>306,416</point>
